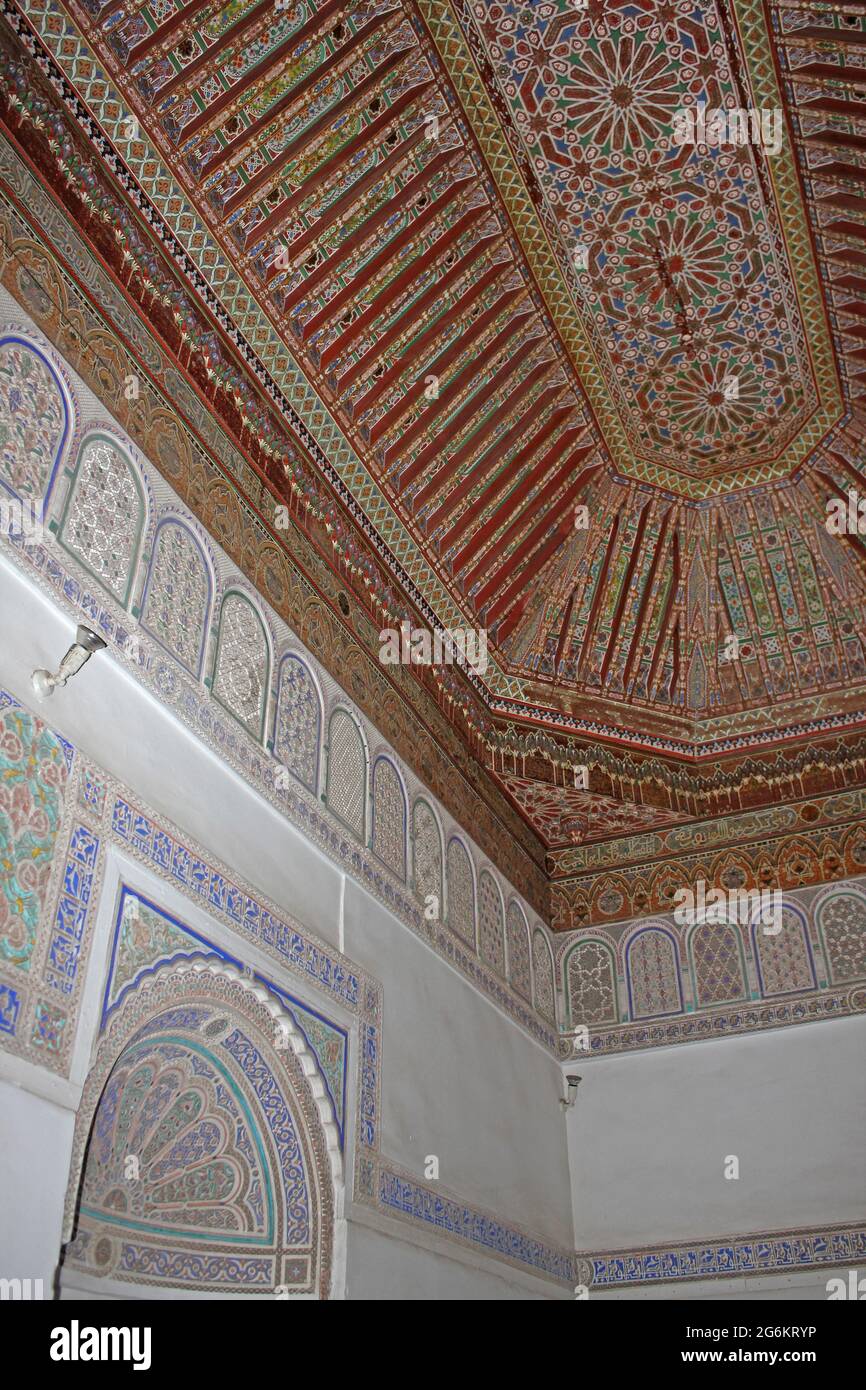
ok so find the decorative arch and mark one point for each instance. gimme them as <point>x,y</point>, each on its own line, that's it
<point>388,811</point>
<point>38,412</point>
<point>518,950</point>
<point>208,1084</point>
<point>242,662</point>
<point>542,976</point>
<point>717,963</point>
<point>589,980</point>
<point>783,959</point>
<point>460,876</point>
<point>178,593</point>
<point>652,966</point>
<point>346,789</point>
<point>840,917</point>
<point>426,853</point>
<point>298,720</point>
<point>105,514</point>
<point>491,927</point>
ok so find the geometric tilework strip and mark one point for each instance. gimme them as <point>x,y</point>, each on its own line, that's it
<point>777,1252</point>
<point>771,1252</point>
<point>719,1022</point>
<point>182,866</point>
<point>398,1193</point>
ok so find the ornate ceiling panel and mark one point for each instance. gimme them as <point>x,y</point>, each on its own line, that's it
<point>447,276</point>
<point>745,604</point>
<point>688,277</point>
<point>566,815</point>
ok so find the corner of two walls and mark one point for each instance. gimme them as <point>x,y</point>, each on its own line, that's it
<point>461,1082</point>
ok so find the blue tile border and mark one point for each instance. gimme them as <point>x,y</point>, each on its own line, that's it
<point>182,865</point>
<point>395,1192</point>
<point>780,1252</point>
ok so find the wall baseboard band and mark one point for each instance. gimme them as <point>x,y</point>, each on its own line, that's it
<point>769,1252</point>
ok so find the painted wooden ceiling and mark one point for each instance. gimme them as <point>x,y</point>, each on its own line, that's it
<point>390,195</point>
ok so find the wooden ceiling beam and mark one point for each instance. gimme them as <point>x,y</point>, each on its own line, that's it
<point>425,339</point>
<point>601,585</point>
<point>317,229</point>
<point>471,445</point>
<point>140,50</point>
<point>439,365</point>
<point>848,257</point>
<point>367,135</point>
<point>528,547</point>
<point>843,38</point>
<point>842,198</point>
<point>855,229</point>
<point>838,170</point>
<point>419,307</point>
<point>546,495</point>
<point>274,62</point>
<point>851,284</point>
<point>401,282</point>
<point>474,368</point>
<point>855,542</point>
<point>295,95</point>
<point>411,191</point>
<point>836,106</point>
<point>857,478</point>
<point>530,573</point>
<point>636,552</point>
<point>379,262</point>
<point>341,205</point>
<point>836,139</point>
<point>839,72</point>
<point>666,616</point>
<point>491,460</point>
<point>643,614</point>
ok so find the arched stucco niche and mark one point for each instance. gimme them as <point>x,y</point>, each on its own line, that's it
<point>206,1156</point>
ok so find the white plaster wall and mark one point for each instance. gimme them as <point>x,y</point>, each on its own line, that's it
<point>650,1132</point>
<point>35,1147</point>
<point>459,1078</point>
<point>112,719</point>
<point>387,1267</point>
<point>463,1083</point>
